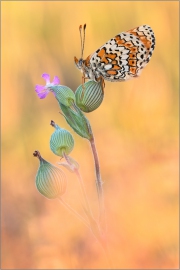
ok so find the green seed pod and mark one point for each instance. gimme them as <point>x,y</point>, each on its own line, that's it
<point>50,180</point>
<point>91,97</point>
<point>63,94</point>
<point>61,141</point>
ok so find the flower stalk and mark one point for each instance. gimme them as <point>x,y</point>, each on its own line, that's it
<point>75,169</point>
<point>74,212</point>
<point>93,223</point>
<point>99,184</point>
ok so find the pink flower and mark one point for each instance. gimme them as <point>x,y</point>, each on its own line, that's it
<point>41,90</point>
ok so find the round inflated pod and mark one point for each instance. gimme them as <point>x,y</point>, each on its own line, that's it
<point>61,141</point>
<point>89,96</point>
<point>50,180</point>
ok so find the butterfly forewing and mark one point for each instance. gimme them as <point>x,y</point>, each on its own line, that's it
<point>124,56</point>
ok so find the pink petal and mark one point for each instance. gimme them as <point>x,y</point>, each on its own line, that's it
<point>42,95</point>
<point>39,88</point>
<point>46,77</point>
<point>56,80</point>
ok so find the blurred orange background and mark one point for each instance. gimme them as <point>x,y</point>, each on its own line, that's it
<point>135,128</point>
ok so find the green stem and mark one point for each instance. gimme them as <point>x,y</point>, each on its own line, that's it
<point>99,183</point>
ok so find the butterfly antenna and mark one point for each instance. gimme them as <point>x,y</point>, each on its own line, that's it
<point>80,31</point>
<point>84,28</point>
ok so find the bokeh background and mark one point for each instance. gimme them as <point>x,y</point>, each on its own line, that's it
<point>135,128</point>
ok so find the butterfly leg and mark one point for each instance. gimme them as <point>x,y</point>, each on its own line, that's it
<point>102,83</point>
<point>100,79</point>
<point>83,87</point>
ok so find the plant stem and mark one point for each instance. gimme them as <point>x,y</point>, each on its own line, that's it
<point>76,171</point>
<point>74,212</point>
<point>93,226</point>
<point>99,183</point>
<point>93,223</point>
<point>93,230</point>
<point>88,209</point>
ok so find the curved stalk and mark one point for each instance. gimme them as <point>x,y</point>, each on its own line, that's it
<point>99,183</point>
<point>92,228</point>
<point>74,212</point>
<point>88,209</point>
<point>93,225</point>
<point>76,171</point>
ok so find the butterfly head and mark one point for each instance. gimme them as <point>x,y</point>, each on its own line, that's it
<point>79,63</point>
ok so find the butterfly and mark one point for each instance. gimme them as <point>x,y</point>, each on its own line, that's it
<point>119,59</point>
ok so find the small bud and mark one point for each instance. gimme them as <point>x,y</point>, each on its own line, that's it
<point>90,97</point>
<point>61,141</point>
<point>50,180</point>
